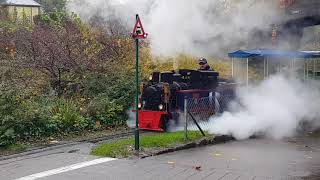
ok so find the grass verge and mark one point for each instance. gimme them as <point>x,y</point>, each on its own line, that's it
<point>124,148</point>
<point>16,148</point>
<point>316,134</point>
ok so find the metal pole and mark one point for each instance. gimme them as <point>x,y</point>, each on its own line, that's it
<point>247,71</point>
<point>293,64</point>
<point>137,143</point>
<point>194,120</point>
<point>232,67</point>
<point>304,69</point>
<point>216,103</point>
<point>314,68</point>
<point>267,67</point>
<point>186,118</point>
<point>264,68</point>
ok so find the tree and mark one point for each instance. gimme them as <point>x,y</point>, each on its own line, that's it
<point>53,50</point>
<point>53,5</point>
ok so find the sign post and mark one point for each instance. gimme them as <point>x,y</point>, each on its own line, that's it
<point>138,33</point>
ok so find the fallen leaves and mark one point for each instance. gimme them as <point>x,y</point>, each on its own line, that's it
<point>308,157</point>
<point>198,168</point>
<point>171,162</point>
<point>53,142</point>
<point>216,154</point>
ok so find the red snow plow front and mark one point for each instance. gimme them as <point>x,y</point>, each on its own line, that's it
<point>152,120</point>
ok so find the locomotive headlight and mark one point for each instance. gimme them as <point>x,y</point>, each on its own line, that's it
<point>139,105</point>
<point>150,77</point>
<point>160,107</point>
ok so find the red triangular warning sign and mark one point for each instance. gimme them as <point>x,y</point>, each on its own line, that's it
<point>138,31</point>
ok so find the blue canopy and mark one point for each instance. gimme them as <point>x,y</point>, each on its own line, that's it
<point>312,54</point>
<point>274,53</point>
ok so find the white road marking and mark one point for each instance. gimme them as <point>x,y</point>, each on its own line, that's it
<point>66,168</point>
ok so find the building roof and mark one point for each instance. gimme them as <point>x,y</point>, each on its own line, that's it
<point>274,53</point>
<point>20,3</point>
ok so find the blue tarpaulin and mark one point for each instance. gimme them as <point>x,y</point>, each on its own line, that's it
<point>274,53</point>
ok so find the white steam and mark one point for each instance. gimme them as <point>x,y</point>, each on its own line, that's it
<point>275,108</point>
<point>131,122</point>
<point>199,27</point>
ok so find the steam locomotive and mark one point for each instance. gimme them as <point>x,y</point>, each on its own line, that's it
<point>163,96</point>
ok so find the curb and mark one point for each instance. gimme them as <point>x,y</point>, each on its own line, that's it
<point>200,143</point>
<point>40,149</point>
<point>37,150</point>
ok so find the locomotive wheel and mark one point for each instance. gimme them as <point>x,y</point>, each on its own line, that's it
<point>164,122</point>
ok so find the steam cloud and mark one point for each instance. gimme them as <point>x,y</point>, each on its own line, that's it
<point>202,28</point>
<point>131,122</point>
<point>275,108</point>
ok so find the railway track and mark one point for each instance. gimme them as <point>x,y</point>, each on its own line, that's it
<point>41,149</point>
<point>111,137</point>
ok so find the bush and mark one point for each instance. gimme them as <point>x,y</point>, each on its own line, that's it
<point>32,119</point>
<point>65,115</point>
<point>110,97</point>
<point>8,104</point>
<point>103,98</point>
<point>7,133</point>
<point>23,119</point>
<point>109,113</point>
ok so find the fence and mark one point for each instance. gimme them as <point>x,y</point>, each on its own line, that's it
<point>198,112</point>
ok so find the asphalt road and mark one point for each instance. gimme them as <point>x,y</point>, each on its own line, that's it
<point>256,159</point>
